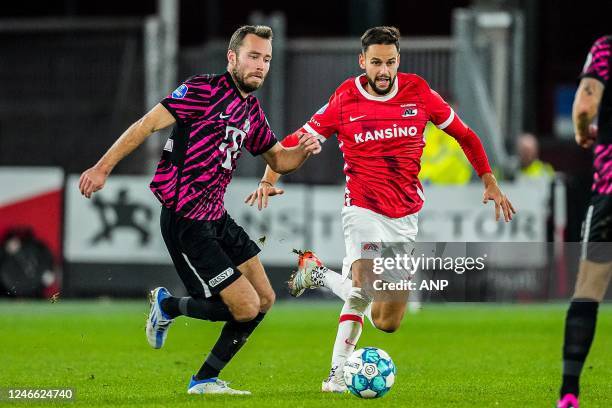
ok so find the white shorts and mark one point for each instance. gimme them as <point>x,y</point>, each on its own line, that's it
<point>365,230</point>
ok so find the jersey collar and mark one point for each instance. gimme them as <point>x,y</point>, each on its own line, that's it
<point>382,98</point>
<point>234,86</point>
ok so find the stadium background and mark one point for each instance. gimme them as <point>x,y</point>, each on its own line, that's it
<point>74,74</point>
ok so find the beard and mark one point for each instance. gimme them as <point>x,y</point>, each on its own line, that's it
<point>242,78</point>
<point>378,90</point>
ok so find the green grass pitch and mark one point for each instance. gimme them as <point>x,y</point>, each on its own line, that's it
<point>447,356</point>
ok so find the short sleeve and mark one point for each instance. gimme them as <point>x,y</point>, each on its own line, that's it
<point>324,123</point>
<point>260,137</point>
<point>440,112</point>
<point>597,64</point>
<point>189,101</point>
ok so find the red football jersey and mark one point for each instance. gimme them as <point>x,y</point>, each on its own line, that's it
<point>381,139</point>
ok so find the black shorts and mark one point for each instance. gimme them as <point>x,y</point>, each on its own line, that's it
<point>597,230</point>
<point>206,253</point>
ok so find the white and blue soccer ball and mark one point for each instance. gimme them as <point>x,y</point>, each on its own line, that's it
<point>369,372</point>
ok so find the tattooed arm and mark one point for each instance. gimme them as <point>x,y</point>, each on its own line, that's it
<point>586,105</point>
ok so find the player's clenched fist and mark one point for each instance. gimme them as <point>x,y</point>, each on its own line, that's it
<point>92,180</point>
<point>309,143</point>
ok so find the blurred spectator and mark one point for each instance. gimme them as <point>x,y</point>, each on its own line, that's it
<point>26,265</point>
<point>443,161</point>
<point>529,164</point>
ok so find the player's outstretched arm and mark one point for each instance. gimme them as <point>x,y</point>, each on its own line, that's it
<point>472,147</point>
<point>445,119</point>
<point>93,179</point>
<point>585,108</point>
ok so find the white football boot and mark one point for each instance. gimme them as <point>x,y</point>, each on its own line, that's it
<point>334,382</point>
<point>158,322</point>
<point>212,386</point>
<point>308,275</point>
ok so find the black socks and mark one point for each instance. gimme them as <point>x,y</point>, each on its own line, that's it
<point>204,309</point>
<point>232,338</point>
<point>579,332</point>
<point>233,335</point>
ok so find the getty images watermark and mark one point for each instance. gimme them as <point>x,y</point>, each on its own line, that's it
<point>394,265</point>
<point>474,271</point>
<point>402,267</point>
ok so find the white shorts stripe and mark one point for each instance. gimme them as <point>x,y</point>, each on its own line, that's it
<point>204,285</point>
<point>587,231</point>
<point>448,121</point>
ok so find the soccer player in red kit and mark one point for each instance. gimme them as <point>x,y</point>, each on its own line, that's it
<point>379,118</point>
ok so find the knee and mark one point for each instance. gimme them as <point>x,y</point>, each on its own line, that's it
<point>592,281</point>
<point>266,301</point>
<point>590,291</point>
<point>386,324</point>
<point>246,311</point>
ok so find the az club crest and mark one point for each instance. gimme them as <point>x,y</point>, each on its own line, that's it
<point>408,112</point>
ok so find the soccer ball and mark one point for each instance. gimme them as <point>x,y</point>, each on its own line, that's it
<point>369,373</point>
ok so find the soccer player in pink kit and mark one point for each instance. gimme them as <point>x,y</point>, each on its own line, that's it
<point>379,118</point>
<point>214,116</point>
<point>593,100</point>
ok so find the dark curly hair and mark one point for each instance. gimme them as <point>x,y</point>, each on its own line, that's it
<point>380,35</point>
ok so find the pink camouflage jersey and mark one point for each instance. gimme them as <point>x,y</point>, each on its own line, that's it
<point>213,123</point>
<point>597,66</point>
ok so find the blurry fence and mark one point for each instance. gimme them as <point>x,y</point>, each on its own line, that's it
<point>69,87</point>
<point>488,76</point>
